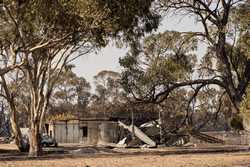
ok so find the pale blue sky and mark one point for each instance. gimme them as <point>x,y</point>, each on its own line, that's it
<point>108,58</point>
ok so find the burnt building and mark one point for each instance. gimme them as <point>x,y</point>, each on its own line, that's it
<point>89,131</point>
<point>95,128</point>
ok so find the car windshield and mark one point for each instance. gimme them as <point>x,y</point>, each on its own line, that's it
<point>45,137</point>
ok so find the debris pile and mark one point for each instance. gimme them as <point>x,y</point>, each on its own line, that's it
<point>148,135</point>
<point>139,134</point>
<point>206,138</point>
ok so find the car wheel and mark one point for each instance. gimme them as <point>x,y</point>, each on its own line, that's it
<point>45,144</point>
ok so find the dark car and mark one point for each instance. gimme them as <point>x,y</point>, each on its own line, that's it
<point>4,140</point>
<point>48,141</point>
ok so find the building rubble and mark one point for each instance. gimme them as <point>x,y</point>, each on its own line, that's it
<point>147,135</point>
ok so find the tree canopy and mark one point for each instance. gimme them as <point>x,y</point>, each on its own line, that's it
<point>225,66</point>
<point>39,38</point>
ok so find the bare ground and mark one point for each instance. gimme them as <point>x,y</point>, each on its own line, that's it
<point>197,160</point>
<point>240,159</point>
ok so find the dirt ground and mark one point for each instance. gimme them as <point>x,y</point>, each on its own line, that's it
<point>193,160</point>
<point>113,158</point>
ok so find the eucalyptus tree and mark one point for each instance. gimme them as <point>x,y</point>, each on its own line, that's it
<point>226,64</point>
<point>38,37</point>
<point>107,85</point>
<point>108,91</point>
<point>164,57</point>
<point>71,94</point>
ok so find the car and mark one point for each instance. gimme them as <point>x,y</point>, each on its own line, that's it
<point>4,140</point>
<point>48,141</point>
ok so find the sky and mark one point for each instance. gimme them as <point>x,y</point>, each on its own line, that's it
<point>107,58</point>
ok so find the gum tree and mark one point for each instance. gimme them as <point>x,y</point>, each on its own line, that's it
<point>226,64</point>
<point>39,38</point>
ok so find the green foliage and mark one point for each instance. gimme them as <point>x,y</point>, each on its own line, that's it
<point>166,62</point>
<point>70,87</point>
<point>42,36</point>
<point>165,57</point>
<point>241,20</point>
<point>71,95</point>
<point>33,20</point>
<point>108,88</point>
<point>179,47</point>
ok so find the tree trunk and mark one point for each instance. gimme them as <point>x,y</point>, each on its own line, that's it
<point>35,140</point>
<point>16,132</point>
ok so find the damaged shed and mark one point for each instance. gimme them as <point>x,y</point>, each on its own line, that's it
<point>89,131</point>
